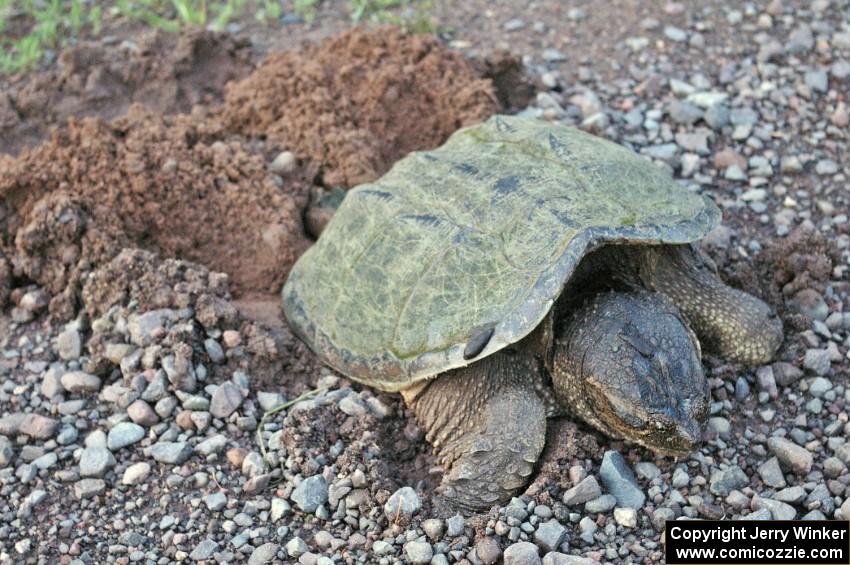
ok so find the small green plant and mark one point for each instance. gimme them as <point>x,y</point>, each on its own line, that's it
<point>48,25</point>
<point>411,15</point>
<point>307,9</point>
<point>269,11</point>
<point>174,15</point>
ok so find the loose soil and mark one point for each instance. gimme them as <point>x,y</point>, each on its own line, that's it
<point>167,73</point>
<point>356,104</point>
<point>199,187</point>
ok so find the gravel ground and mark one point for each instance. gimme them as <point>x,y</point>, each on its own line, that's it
<point>160,461</point>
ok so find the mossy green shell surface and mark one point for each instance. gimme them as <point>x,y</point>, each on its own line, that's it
<point>474,240</point>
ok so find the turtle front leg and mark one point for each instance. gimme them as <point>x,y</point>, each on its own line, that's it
<point>729,322</point>
<point>487,425</point>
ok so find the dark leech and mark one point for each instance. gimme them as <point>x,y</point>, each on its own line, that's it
<point>477,344</point>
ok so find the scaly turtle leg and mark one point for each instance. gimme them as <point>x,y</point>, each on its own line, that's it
<point>729,322</point>
<point>487,425</point>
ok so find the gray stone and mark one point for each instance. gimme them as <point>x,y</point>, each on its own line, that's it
<point>142,413</point>
<point>522,553</point>
<point>46,461</point>
<point>555,558</point>
<point>819,387</point>
<point>800,40</point>
<point>117,352</point>
<point>717,116</point>
<point>80,382</point>
<point>488,550</point>
<point>269,400</point>
<point>549,535</point>
<point>143,327</point>
<point>586,490</point>
<point>124,434</point>
<point>664,152</point>
<point>514,24</point>
<point>620,481</point>
<point>279,508</point>
<point>791,456</point>
<point>841,40</point>
<point>171,452</point>
<point>647,470</point>
<point>680,478</point>
<point>786,374</point>
<point>696,142</point>
<point>553,56</point>
<point>136,474</point>
<point>211,445</point>
<point>779,510</point>
<point>284,163</point>
<point>225,400</point>
<point>817,361</point>
<point>96,461</point>
<point>684,112</point>
<point>761,514</point>
<point>215,501</point>
<point>311,493</point>
<point>296,547</point>
<point>353,406</point>
<point>402,505</point>
<point>840,69</point>
<point>263,554</point>
<point>626,517</point>
<point>433,528</point>
<point>418,552</point>
<point>253,465</point>
<point>826,167</point>
<point>204,550</point>
<point>51,383</point>
<point>455,526</point>
<point>6,451</point>
<point>214,350</point>
<point>771,473</point>
<point>67,435</point>
<point>600,505</point>
<point>257,484</point>
<point>724,481</point>
<point>87,488</point>
<point>34,301</point>
<point>791,495</point>
<point>817,80</point>
<point>675,34</point>
<point>69,344</point>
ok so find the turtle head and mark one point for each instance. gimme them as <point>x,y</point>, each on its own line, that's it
<point>640,376</point>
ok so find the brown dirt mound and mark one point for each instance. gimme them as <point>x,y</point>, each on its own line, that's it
<point>195,187</point>
<point>166,73</point>
<point>358,102</point>
<point>802,260</point>
<point>167,184</point>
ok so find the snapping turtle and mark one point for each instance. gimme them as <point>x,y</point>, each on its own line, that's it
<point>523,270</point>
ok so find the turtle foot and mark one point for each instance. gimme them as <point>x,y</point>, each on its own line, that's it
<point>487,424</point>
<point>729,322</point>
